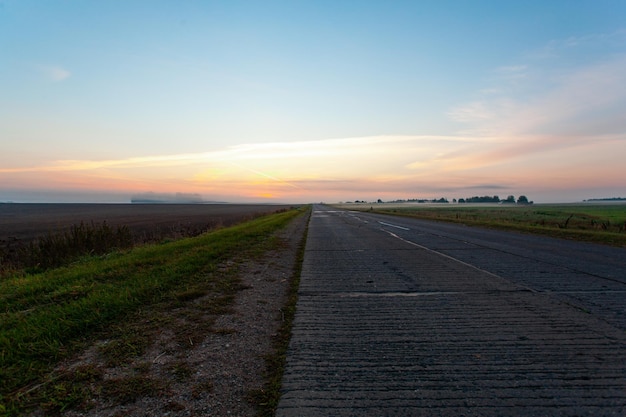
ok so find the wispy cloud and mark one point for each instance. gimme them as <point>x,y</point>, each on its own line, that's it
<point>589,99</point>
<point>55,73</point>
<point>512,72</point>
<point>557,107</point>
<point>341,169</point>
<point>473,112</point>
<point>283,164</point>
<point>593,41</point>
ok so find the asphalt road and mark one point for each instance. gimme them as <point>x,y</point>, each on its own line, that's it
<point>402,317</point>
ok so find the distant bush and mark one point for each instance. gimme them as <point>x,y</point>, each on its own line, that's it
<point>58,249</point>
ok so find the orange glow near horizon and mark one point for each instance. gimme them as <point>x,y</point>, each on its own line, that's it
<point>386,167</point>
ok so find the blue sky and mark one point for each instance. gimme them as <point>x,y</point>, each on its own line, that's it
<point>312,100</point>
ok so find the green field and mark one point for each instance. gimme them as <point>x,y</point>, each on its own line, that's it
<point>49,316</point>
<point>600,223</point>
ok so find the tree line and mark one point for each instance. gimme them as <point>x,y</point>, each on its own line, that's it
<point>522,199</point>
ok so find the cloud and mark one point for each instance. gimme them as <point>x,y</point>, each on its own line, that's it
<point>387,167</point>
<point>512,72</point>
<point>575,85</point>
<point>511,69</point>
<point>55,73</point>
<point>472,112</point>
<point>152,197</point>
<point>574,44</point>
<point>563,109</point>
<point>285,165</point>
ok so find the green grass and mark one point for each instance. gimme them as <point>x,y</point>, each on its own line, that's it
<point>49,316</point>
<point>599,223</point>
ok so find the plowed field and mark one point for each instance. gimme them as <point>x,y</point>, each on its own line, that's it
<point>27,221</point>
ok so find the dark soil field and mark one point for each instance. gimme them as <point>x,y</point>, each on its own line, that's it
<point>25,222</point>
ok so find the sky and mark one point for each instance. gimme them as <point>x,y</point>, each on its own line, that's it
<point>305,101</point>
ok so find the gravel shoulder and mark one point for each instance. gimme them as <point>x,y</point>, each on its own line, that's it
<point>196,361</point>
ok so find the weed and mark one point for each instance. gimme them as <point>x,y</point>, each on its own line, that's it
<point>181,370</point>
<point>127,389</point>
<point>63,395</point>
<point>564,225</point>
<point>130,344</point>
<point>54,250</point>
<point>190,294</point>
<point>68,389</point>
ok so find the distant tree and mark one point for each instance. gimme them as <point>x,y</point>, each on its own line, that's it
<point>510,199</point>
<point>461,200</point>
<point>607,199</point>
<point>522,199</point>
<point>454,200</point>
<point>380,201</point>
<point>485,199</point>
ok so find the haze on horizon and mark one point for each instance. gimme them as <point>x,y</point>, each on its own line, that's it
<point>285,101</point>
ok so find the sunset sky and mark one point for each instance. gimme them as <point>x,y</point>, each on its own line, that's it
<point>302,101</point>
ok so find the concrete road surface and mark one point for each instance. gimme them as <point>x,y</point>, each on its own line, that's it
<point>402,317</point>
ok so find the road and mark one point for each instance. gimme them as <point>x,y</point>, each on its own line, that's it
<point>402,317</point>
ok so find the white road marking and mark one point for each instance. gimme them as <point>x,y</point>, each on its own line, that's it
<point>394,225</point>
<point>460,261</point>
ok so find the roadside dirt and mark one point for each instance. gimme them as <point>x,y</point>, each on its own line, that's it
<point>196,362</point>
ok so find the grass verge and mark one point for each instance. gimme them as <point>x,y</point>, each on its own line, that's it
<point>267,398</point>
<point>47,317</point>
